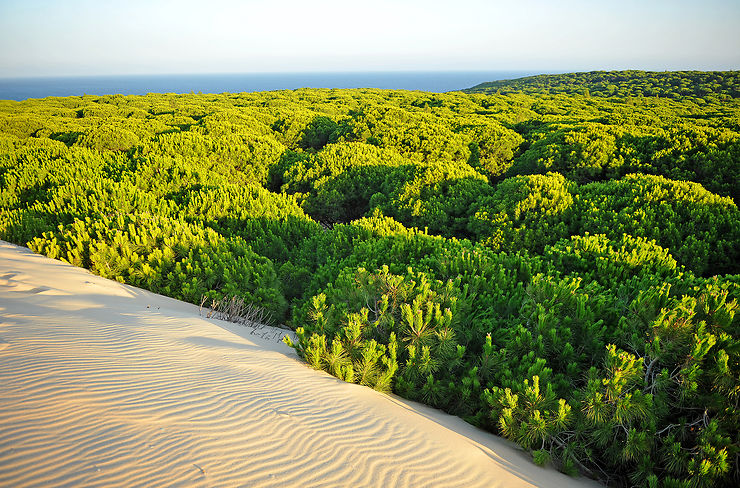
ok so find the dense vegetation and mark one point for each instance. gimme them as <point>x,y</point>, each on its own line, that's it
<point>707,85</point>
<point>560,269</point>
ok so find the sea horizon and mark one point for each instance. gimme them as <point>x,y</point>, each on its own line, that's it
<point>22,88</point>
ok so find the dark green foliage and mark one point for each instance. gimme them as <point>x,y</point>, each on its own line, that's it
<point>557,264</point>
<point>670,84</point>
<point>318,133</point>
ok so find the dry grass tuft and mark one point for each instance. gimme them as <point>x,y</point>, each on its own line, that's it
<point>235,309</point>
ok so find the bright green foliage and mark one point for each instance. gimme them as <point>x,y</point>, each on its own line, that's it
<point>525,212</point>
<point>701,229</point>
<point>557,263</point>
<point>584,152</point>
<point>493,147</point>
<point>613,263</point>
<point>166,256</point>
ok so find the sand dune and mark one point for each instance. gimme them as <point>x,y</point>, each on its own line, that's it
<point>103,384</point>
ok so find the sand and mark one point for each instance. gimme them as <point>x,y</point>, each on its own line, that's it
<point>103,384</point>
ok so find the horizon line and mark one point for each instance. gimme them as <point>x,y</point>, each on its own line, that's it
<point>372,71</point>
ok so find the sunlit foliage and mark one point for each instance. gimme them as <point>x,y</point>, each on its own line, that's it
<point>554,259</point>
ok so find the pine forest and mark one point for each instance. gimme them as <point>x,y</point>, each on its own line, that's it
<point>555,259</point>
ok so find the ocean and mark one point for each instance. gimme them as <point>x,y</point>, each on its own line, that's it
<point>431,81</point>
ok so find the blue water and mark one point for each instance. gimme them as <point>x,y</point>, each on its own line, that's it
<point>432,81</point>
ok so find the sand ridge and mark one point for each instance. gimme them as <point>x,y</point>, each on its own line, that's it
<point>103,384</point>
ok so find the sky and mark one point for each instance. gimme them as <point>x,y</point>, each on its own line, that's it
<point>105,37</point>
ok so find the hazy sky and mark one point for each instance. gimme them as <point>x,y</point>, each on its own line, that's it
<point>87,37</point>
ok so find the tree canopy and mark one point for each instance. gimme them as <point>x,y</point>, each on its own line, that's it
<point>554,259</point>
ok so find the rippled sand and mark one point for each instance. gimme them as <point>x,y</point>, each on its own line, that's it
<point>103,384</point>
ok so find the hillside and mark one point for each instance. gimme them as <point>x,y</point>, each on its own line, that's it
<point>707,85</point>
<point>560,269</point>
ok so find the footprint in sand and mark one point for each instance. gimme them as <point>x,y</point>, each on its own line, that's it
<point>6,279</point>
<point>38,289</point>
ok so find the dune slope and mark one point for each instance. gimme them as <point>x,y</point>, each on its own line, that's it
<point>103,384</point>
